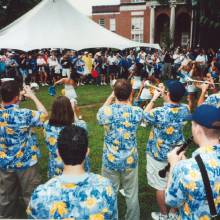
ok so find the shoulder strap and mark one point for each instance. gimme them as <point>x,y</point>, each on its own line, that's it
<point>207,186</point>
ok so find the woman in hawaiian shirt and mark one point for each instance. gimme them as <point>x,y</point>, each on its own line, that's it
<point>62,115</point>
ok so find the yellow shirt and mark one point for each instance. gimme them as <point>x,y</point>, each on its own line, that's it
<point>88,63</point>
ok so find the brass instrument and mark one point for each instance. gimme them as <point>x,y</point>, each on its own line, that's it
<point>152,87</point>
<point>201,81</point>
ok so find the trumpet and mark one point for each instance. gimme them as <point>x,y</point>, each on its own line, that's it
<point>148,84</point>
<point>201,81</point>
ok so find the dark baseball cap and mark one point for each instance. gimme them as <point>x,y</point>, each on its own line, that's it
<point>176,89</point>
<point>207,115</point>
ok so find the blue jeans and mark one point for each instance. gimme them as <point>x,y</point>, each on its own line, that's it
<point>23,72</point>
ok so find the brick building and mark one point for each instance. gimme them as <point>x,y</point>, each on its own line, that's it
<point>148,21</point>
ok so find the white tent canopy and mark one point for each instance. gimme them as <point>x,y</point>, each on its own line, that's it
<point>57,24</point>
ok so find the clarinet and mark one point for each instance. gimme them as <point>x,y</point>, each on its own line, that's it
<point>162,173</point>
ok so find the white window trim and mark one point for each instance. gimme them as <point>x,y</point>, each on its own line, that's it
<point>137,33</point>
<point>103,22</point>
<point>137,13</point>
<point>111,24</point>
<point>132,7</point>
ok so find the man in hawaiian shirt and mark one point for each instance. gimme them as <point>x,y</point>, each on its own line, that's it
<point>120,156</point>
<point>75,194</point>
<point>167,132</point>
<point>185,186</point>
<point>213,99</point>
<point>18,147</point>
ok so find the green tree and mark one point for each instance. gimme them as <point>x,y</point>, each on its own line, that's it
<point>10,10</point>
<point>3,5</point>
<point>209,12</point>
<point>208,21</point>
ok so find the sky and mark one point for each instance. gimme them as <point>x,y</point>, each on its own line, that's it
<point>85,6</point>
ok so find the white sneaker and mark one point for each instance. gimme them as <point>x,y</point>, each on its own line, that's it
<point>158,216</point>
<point>105,84</point>
<point>46,84</point>
<point>173,216</point>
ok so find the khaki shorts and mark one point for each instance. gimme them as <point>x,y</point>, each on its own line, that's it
<point>12,186</point>
<point>153,168</point>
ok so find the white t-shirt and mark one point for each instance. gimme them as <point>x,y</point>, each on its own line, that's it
<point>112,60</point>
<point>41,61</point>
<point>201,58</point>
<point>178,58</point>
<point>52,62</point>
<point>142,57</point>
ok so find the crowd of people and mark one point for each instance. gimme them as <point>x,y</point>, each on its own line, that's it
<point>72,190</point>
<point>47,66</point>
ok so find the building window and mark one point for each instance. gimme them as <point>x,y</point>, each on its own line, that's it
<point>112,24</point>
<point>185,39</point>
<point>137,29</point>
<point>102,22</point>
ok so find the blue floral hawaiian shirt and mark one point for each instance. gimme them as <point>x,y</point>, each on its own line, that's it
<point>120,144</point>
<point>18,142</point>
<point>213,100</point>
<point>167,129</point>
<point>55,164</point>
<point>186,190</point>
<point>88,197</point>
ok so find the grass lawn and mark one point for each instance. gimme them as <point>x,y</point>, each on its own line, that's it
<point>91,95</point>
